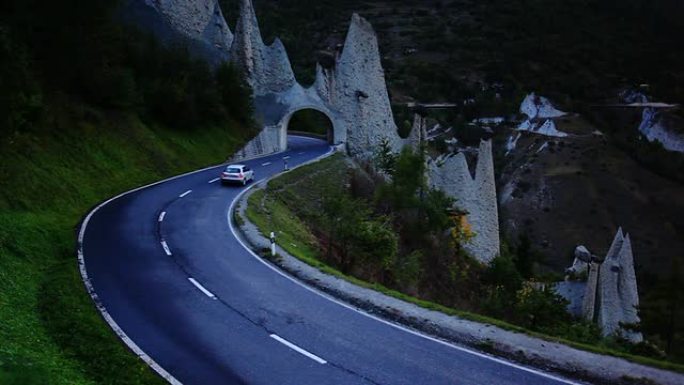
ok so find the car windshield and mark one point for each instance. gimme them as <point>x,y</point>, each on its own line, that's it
<point>233,170</point>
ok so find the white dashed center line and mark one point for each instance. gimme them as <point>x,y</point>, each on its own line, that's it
<point>183,195</point>
<point>300,153</point>
<point>161,216</point>
<point>214,180</point>
<point>166,248</point>
<point>202,289</point>
<point>286,157</point>
<point>266,164</point>
<point>298,349</point>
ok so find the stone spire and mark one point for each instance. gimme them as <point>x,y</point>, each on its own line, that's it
<point>617,290</point>
<point>475,195</point>
<point>485,220</point>
<point>247,49</point>
<point>267,69</point>
<point>418,133</point>
<point>217,31</point>
<point>277,73</point>
<point>589,300</point>
<point>360,92</point>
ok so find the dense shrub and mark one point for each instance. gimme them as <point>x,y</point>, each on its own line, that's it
<point>540,308</point>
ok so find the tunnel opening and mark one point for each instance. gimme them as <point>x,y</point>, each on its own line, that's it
<point>311,122</point>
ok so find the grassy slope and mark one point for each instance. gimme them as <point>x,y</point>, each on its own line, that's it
<point>268,212</point>
<point>49,328</point>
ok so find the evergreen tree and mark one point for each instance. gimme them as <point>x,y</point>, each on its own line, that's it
<point>385,159</point>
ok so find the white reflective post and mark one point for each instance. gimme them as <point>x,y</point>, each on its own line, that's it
<point>273,250</point>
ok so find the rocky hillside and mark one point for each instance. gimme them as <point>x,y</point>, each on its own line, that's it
<point>578,188</point>
<point>486,56</point>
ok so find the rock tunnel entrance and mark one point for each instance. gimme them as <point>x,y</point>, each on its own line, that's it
<point>310,122</point>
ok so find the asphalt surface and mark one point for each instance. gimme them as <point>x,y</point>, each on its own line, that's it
<point>212,313</point>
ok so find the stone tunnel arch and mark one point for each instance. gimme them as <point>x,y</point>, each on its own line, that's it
<point>332,128</point>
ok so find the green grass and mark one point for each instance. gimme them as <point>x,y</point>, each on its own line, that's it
<point>49,327</point>
<point>266,210</point>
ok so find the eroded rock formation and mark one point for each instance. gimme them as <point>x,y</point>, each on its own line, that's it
<point>360,93</point>
<point>539,107</point>
<point>267,68</point>
<point>476,195</point>
<point>352,92</point>
<point>610,296</point>
<point>199,25</point>
<point>196,19</point>
<point>418,134</point>
<point>540,114</point>
<point>618,298</point>
<point>654,127</point>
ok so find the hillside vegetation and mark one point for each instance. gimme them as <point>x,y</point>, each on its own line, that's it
<point>346,220</point>
<point>88,109</point>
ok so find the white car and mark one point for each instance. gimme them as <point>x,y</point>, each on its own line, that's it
<point>237,173</point>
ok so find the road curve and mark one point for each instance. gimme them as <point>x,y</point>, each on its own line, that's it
<point>175,283</point>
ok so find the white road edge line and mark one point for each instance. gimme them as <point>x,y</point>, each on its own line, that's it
<point>214,180</point>
<point>335,300</point>
<point>80,255</point>
<point>202,288</point>
<point>162,216</point>
<point>166,248</point>
<point>266,164</point>
<point>183,195</point>
<point>298,349</point>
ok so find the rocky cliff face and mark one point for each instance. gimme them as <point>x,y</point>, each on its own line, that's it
<point>539,107</point>
<point>655,128</point>
<point>658,123</point>
<point>200,19</point>
<point>198,24</point>
<point>475,195</point>
<point>558,190</point>
<point>540,116</point>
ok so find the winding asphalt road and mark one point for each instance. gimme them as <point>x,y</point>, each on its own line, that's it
<point>165,265</point>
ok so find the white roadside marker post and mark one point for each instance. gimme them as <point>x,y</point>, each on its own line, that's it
<point>273,249</point>
<point>287,168</point>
